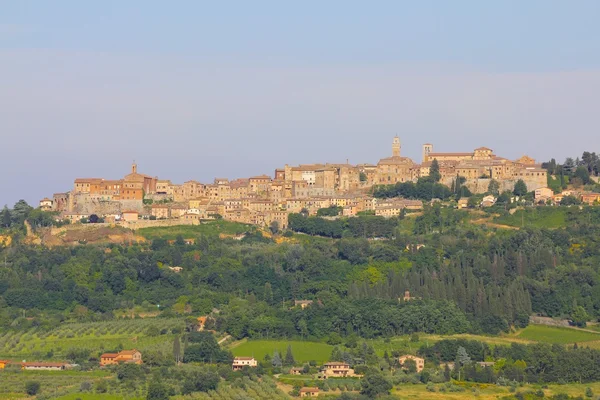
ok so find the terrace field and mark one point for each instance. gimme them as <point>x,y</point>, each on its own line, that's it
<point>38,345</point>
<point>193,231</point>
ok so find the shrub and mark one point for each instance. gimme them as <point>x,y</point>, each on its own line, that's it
<point>32,388</point>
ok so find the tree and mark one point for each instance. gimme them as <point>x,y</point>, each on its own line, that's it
<point>289,356</point>
<point>493,187</point>
<point>5,218</point>
<point>462,359</point>
<point>579,316</point>
<point>32,388</point>
<point>157,391</point>
<point>520,188</point>
<point>374,384</point>
<point>276,360</point>
<point>583,174</point>
<point>93,219</point>
<point>434,171</point>
<point>274,227</point>
<point>177,349</point>
<point>362,177</point>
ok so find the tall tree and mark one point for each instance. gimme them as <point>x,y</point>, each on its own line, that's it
<point>520,188</point>
<point>276,360</point>
<point>493,187</point>
<point>289,356</point>
<point>5,218</point>
<point>434,171</point>
<point>177,349</point>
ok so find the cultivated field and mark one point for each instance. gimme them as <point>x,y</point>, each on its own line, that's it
<point>37,345</point>
<point>303,351</point>
<point>550,334</point>
<point>193,231</point>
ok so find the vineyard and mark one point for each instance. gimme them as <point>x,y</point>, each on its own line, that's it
<point>241,389</point>
<point>53,383</point>
<point>38,344</point>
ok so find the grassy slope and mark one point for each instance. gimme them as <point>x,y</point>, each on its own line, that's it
<point>193,231</point>
<point>550,334</point>
<point>540,217</point>
<point>303,351</point>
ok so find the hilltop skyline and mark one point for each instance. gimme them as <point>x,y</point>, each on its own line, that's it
<point>198,91</point>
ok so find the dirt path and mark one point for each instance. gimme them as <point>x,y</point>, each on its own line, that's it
<point>487,222</point>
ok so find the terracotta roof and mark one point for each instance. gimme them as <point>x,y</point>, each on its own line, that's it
<point>43,364</point>
<point>483,148</point>
<point>129,212</point>
<point>88,180</point>
<point>109,355</point>
<point>243,358</point>
<point>336,363</point>
<point>449,154</point>
<point>396,160</point>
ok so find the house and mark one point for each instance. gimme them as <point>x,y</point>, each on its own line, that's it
<point>309,392</point>
<point>241,362</point>
<point>202,322</point>
<point>486,364</point>
<point>124,356</point>
<point>488,201</point>
<point>3,363</point>
<point>130,215</point>
<point>590,198</point>
<point>43,366</point>
<point>419,362</point>
<point>336,369</point>
<point>46,204</point>
<point>176,269</point>
<point>302,303</point>
<point>296,371</point>
<point>543,193</point>
<point>463,202</point>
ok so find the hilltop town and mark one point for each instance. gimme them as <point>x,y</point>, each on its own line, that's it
<point>139,200</point>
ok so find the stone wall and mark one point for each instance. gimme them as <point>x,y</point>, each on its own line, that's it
<point>146,223</point>
<point>85,204</point>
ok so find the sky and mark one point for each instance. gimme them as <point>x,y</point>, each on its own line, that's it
<point>199,89</point>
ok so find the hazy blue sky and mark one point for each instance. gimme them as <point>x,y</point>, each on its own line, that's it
<point>198,89</point>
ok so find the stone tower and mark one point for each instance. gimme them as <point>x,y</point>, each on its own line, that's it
<point>396,147</point>
<point>134,168</point>
<point>427,148</point>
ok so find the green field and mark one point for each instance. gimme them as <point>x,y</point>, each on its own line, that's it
<point>538,217</point>
<point>193,231</point>
<point>35,344</point>
<point>303,351</point>
<point>96,396</point>
<point>550,334</point>
<point>52,382</point>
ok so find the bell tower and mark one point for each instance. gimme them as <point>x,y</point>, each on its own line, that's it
<point>427,148</point>
<point>134,168</point>
<point>396,147</point>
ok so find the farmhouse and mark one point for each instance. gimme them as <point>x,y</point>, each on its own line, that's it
<point>125,356</point>
<point>296,371</point>
<point>419,362</point>
<point>42,366</point>
<point>241,362</point>
<point>302,303</point>
<point>336,369</point>
<point>309,392</point>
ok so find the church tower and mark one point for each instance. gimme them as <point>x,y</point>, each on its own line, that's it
<point>134,168</point>
<point>427,148</point>
<point>396,147</point>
